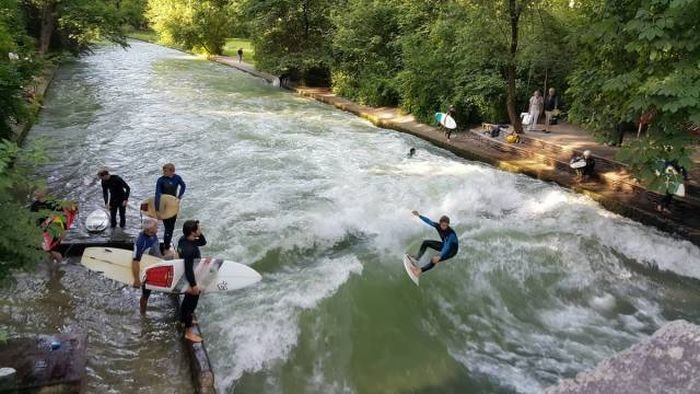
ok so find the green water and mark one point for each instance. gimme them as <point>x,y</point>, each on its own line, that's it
<point>546,283</point>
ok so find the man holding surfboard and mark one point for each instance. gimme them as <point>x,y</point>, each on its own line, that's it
<point>188,249</point>
<point>168,184</point>
<point>448,247</point>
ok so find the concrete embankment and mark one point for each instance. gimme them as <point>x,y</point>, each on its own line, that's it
<point>37,92</point>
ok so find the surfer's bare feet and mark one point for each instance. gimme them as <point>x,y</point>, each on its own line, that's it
<point>416,271</point>
<point>190,336</point>
<point>136,284</point>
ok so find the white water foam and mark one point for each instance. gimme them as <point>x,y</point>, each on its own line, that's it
<point>260,328</point>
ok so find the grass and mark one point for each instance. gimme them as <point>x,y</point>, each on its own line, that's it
<point>149,36</point>
<point>232,45</point>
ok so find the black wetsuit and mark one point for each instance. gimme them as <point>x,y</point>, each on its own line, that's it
<point>115,191</point>
<point>189,251</point>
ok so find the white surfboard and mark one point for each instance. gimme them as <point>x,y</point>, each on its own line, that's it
<point>114,263</point>
<point>212,276</point>
<point>578,164</point>
<point>409,262</point>
<point>97,221</point>
<point>445,120</point>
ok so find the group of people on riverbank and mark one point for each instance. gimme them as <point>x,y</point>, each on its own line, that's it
<point>116,192</point>
<point>169,183</point>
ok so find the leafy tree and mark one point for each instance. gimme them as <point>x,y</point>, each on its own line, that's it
<point>74,25</point>
<point>17,67</point>
<point>21,238</point>
<point>292,37</point>
<point>367,51</point>
<point>200,25</point>
<point>640,57</point>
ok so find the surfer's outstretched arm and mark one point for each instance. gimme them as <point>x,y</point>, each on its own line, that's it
<point>424,219</point>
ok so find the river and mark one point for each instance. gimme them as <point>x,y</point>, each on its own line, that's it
<point>547,283</point>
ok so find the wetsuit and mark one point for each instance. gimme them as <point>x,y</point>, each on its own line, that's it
<point>115,191</point>
<point>142,244</point>
<point>448,248</point>
<point>168,185</point>
<point>189,251</point>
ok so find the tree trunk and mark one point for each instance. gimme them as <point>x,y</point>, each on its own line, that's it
<point>511,92</point>
<point>48,25</point>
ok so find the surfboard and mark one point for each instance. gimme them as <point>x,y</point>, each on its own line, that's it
<point>169,206</point>
<point>445,120</point>
<point>212,276</point>
<point>56,226</point>
<point>114,263</point>
<point>97,221</point>
<point>409,262</point>
<point>578,164</point>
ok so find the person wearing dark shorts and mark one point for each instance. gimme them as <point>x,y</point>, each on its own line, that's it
<point>116,195</point>
<point>448,246</point>
<point>147,241</point>
<point>188,249</point>
<point>168,184</point>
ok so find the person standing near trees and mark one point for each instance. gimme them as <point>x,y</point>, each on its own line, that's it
<point>240,55</point>
<point>116,195</point>
<point>536,104</point>
<point>551,108</point>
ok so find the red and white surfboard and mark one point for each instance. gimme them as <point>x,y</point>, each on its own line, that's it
<point>212,275</point>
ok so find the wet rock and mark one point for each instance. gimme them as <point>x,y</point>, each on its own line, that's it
<point>667,362</point>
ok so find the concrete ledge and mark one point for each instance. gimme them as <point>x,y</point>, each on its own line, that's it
<point>39,91</point>
<point>200,365</point>
<point>668,362</point>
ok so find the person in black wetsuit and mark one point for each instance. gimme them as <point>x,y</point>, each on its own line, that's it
<point>168,184</point>
<point>448,246</point>
<point>116,195</point>
<point>188,249</point>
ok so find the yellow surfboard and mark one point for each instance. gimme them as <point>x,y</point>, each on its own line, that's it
<point>169,206</point>
<point>114,263</point>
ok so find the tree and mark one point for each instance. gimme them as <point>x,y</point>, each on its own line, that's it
<point>367,51</point>
<point>74,25</point>
<point>292,37</point>
<point>17,67</point>
<point>640,57</point>
<point>21,239</point>
<point>200,25</point>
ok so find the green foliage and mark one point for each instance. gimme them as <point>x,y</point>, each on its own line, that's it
<point>75,25</point>
<point>232,45</point>
<point>637,57</point>
<point>367,52</point>
<point>21,238</point>
<point>291,37</point>
<point>201,26</point>
<point>17,67</point>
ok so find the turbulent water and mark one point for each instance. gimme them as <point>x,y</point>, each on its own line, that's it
<point>546,283</point>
